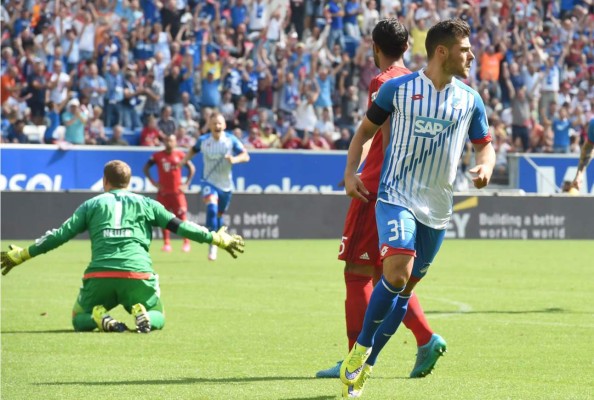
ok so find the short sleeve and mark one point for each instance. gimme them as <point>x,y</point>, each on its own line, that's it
<point>478,130</point>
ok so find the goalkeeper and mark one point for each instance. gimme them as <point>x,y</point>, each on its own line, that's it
<point>120,225</point>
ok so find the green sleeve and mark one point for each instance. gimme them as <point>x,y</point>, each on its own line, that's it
<point>194,232</point>
<point>187,229</point>
<point>56,237</point>
<point>160,215</point>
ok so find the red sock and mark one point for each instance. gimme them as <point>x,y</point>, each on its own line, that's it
<point>166,235</point>
<point>415,320</point>
<point>358,292</point>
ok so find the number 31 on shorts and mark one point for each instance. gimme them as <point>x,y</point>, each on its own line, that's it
<point>397,228</point>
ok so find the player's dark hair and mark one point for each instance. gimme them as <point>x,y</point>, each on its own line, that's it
<point>117,173</point>
<point>445,33</point>
<point>391,37</point>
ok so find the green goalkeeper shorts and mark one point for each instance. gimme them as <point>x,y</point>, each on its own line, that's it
<point>111,292</point>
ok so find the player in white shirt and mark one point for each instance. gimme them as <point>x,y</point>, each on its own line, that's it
<point>431,115</point>
<point>220,150</point>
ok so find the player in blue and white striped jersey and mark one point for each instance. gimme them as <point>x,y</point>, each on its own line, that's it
<point>220,151</point>
<point>431,115</point>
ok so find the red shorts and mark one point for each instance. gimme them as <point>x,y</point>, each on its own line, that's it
<point>174,202</point>
<point>359,244</point>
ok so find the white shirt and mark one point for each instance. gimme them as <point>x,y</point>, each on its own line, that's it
<point>428,132</point>
<point>59,93</point>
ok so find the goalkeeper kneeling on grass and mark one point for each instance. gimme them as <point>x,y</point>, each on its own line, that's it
<point>120,226</point>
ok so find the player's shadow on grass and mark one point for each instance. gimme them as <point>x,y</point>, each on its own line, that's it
<point>47,331</point>
<point>182,381</point>
<point>554,310</point>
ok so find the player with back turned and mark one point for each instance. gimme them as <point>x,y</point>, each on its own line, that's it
<point>170,188</point>
<point>359,244</point>
<point>120,225</point>
<point>431,115</point>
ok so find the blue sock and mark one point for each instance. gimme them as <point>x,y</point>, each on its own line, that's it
<point>212,222</point>
<point>380,305</point>
<point>388,327</point>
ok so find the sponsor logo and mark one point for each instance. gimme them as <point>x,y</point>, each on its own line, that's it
<point>424,269</point>
<point>384,250</point>
<point>416,97</point>
<point>364,256</point>
<point>429,127</point>
<point>373,96</point>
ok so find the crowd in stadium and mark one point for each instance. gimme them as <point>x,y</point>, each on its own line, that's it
<point>290,74</point>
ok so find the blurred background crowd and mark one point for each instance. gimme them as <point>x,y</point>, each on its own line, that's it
<point>285,74</point>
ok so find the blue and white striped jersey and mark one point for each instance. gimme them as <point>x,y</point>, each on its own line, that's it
<point>428,131</point>
<point>217,170</point>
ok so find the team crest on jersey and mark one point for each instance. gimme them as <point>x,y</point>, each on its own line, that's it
<point>429,127</point>
<point>417,97</point>
<point>456,103</point>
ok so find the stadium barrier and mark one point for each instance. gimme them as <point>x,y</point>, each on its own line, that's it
<point>48,168</point>
<point>27,215</point>
<point>545,173</point>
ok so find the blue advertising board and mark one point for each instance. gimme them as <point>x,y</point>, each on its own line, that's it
<point>47,168</point>
<point>545,173</point>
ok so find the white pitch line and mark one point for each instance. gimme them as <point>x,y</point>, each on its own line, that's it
<point>462,307</point>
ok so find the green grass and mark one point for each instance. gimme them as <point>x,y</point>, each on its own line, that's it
<point>518,318</point>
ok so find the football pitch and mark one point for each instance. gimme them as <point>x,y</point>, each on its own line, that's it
<point>517,316</point>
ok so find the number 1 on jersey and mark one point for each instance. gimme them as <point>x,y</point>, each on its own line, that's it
<point>117,215</point>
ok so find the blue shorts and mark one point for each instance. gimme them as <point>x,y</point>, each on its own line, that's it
<point>400,233</point>
<point>223,197</point>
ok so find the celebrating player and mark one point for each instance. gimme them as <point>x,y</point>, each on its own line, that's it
<point>120,224</point>
<point>359,246</point>
<point>170,188</point>
<point>220,151</point>
<point>585,156</point>
<point>431,114</point>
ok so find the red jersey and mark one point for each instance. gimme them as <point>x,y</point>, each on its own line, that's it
<point>170,175</point>
<point>370,175</point>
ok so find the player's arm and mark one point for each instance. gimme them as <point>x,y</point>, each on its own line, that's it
<point>191,172</point>
<point>484,153</point>
<point>240,153</point>
<point>147,172</point>
<point>51,240</point>
<point>585,158</point>
<point>189,155</point>
<point>233,244</point>
<point>485,163</point>
<point>378,113</point>
<point>242,157</point>
<point>352,183</point>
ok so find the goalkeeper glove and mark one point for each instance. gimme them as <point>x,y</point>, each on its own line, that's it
<point>13,257</point>
<point>230,243</point>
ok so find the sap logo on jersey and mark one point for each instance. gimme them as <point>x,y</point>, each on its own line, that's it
<point>429,127</point>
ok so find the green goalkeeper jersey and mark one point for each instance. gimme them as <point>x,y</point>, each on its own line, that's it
<point>120,225</point>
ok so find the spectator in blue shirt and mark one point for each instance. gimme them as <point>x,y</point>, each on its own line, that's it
<point>74,119</point>
<point>16,132</point>
<point>335,15</point>
<point>211,95</point>
<point>561,132</point>
<point>114,95</point>
<point>352,10</point>
<point>239,13</point>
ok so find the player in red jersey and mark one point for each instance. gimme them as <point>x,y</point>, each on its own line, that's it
<point>359,247</point>
<point>170,186</point>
